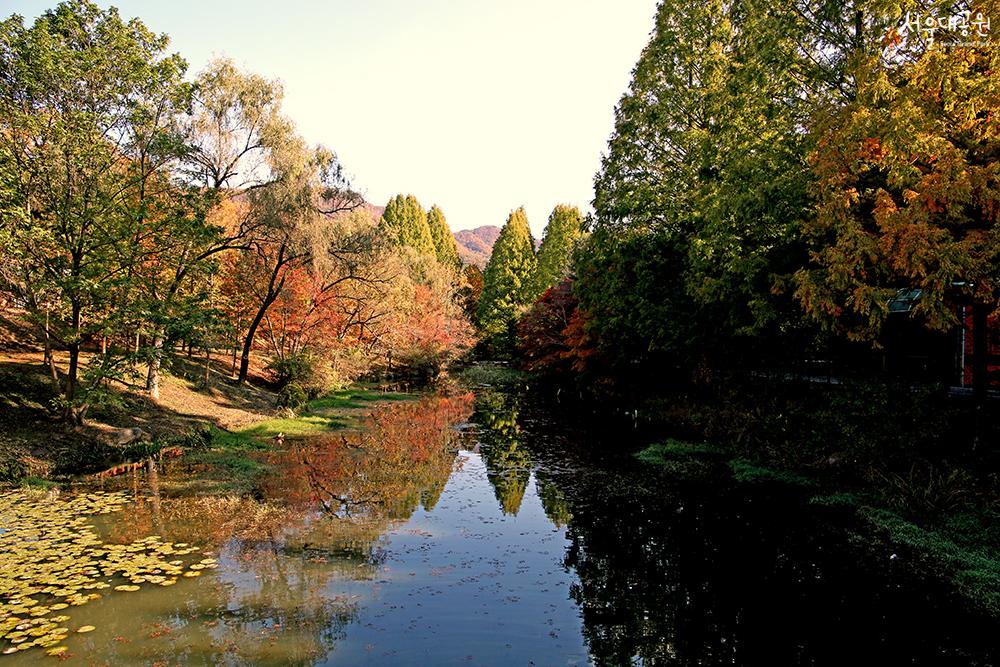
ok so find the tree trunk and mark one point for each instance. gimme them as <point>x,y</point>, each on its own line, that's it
<point>251,332</point>
<point>208,361</point>
<point>155,361</point>
<point>48,341</point>
<point>71,414</point>
<point>274,287</point>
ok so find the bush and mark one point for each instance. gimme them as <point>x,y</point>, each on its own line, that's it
<point>293,396</point>
<point>297,368</point>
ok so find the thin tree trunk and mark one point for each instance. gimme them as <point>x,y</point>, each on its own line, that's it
<point>251,332</point>
<point>208,361</point>
<point>274,287</point>
<point>48,342</point>
<point>155,361</point>
<point>72,414</point>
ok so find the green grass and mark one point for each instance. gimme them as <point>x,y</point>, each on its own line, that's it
<point>680,459</point>
<point>34,482</point>
<point>294,426</point>
<point>969,561</point>
<point>353,398</point>
<point>672,450</point>
<point>749,473</point>
<point>837,499</point>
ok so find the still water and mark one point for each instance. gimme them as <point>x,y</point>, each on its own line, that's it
<point>478,528</point>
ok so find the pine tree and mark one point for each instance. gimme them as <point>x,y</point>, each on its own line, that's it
<point>560,234</point>
<point>405,223</point>
<point>506,282</point>
<point>444,242</point>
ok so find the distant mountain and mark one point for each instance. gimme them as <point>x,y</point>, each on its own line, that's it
<point>476,245</point>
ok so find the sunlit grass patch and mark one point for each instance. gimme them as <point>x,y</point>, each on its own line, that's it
<point>353,398</point>
<point>293,426</point>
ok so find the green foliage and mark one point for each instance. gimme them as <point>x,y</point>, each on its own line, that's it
<point>404,222</point>
<point>558,240</point>
<point>628,283</point>
<point>293,395</point>
<point>88,103</point>
<point>292,368</point>
<point>673,449</point>
<point>445,246</point>
<point>749,472</point>
<point>972,566</point>
<point>506,282</point>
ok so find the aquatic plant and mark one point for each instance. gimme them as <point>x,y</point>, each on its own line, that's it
<point>51,559</point>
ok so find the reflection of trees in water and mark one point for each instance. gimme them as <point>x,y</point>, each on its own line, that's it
<point>553,501</point>
<point>681,574</point>
<point>508,461</point>
<point>403,454</point>
<point>326,505</point>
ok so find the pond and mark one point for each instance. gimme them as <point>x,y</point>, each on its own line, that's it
<point>470,528</point>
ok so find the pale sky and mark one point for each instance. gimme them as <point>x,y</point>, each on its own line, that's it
<point>479,106</point>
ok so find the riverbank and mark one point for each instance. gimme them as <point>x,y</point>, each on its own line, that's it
<point>899,468</point>
<point>219,421</point>
<point>959,545</point>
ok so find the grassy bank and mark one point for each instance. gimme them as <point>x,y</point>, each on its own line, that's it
<point>221,424</point>
<point>959,545</point>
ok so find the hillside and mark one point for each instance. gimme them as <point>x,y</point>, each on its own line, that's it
<point>476,245</point>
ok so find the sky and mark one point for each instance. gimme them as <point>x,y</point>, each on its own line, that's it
<point>478,106</point>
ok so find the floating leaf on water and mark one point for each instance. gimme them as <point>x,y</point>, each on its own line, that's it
<point>59,650</point>
<point>51,557</point>
<point>86,628</point>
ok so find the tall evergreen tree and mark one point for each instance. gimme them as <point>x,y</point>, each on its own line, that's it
<point>405,223</point>
<point>444,242</point>
<point>562,231</point>
<point>506,281</point>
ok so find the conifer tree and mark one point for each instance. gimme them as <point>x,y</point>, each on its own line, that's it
<point>444,242</point>
<point>405,223</point>
<point>561,232</point>
<point>506,281</point>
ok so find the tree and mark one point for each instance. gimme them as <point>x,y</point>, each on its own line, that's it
<point>88,105</point>
<point>445,246</point>
<point>291,217</point>
<point>405,224</point>
<point>560,235</point>
<point>506,281</point>
<point>471,290</point>
<point>908,191</point>
<point>541,333</point>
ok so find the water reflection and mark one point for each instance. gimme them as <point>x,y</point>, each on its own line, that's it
<point>706,572</point>
<point>282,593</point>
<point>508,461</point>
<point>519,541</point>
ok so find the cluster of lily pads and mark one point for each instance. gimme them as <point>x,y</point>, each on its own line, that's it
<point>52,559</point>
